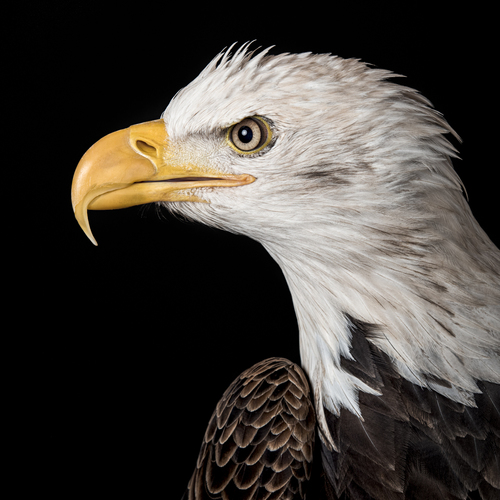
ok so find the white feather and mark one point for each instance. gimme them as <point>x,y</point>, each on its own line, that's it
<point>358,202</point>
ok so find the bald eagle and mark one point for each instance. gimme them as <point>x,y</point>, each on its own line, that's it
<point>345,178</point>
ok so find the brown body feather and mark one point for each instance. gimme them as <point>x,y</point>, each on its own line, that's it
<point>412,443</point>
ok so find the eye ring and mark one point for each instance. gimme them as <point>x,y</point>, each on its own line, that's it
<point>250,135</point>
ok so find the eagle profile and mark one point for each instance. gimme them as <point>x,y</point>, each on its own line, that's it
<point>345,177</point>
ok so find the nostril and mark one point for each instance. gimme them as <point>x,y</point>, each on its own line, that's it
<point>146,148</point>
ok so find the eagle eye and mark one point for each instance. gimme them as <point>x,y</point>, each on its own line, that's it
<point>249,136</point>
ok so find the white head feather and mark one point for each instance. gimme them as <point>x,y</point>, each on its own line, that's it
<point>357,200</point>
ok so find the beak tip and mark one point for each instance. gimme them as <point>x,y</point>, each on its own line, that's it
<point>81,215</point>
<point>89,234</point>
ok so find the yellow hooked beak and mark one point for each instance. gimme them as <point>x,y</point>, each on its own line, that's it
<point>134,166</point>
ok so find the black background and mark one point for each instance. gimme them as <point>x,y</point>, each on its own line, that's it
<point>121,352</point>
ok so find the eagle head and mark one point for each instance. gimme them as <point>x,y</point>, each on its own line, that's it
<point>345,177</point>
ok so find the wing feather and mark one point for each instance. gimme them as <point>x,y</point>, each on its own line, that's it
<point>259,441</point>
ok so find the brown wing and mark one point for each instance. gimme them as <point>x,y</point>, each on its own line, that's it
<point>260,438</point>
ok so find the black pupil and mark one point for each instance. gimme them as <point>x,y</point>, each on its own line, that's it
<point>245,134</point>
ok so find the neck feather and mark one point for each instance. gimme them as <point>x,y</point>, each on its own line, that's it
<point>433,318</point>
